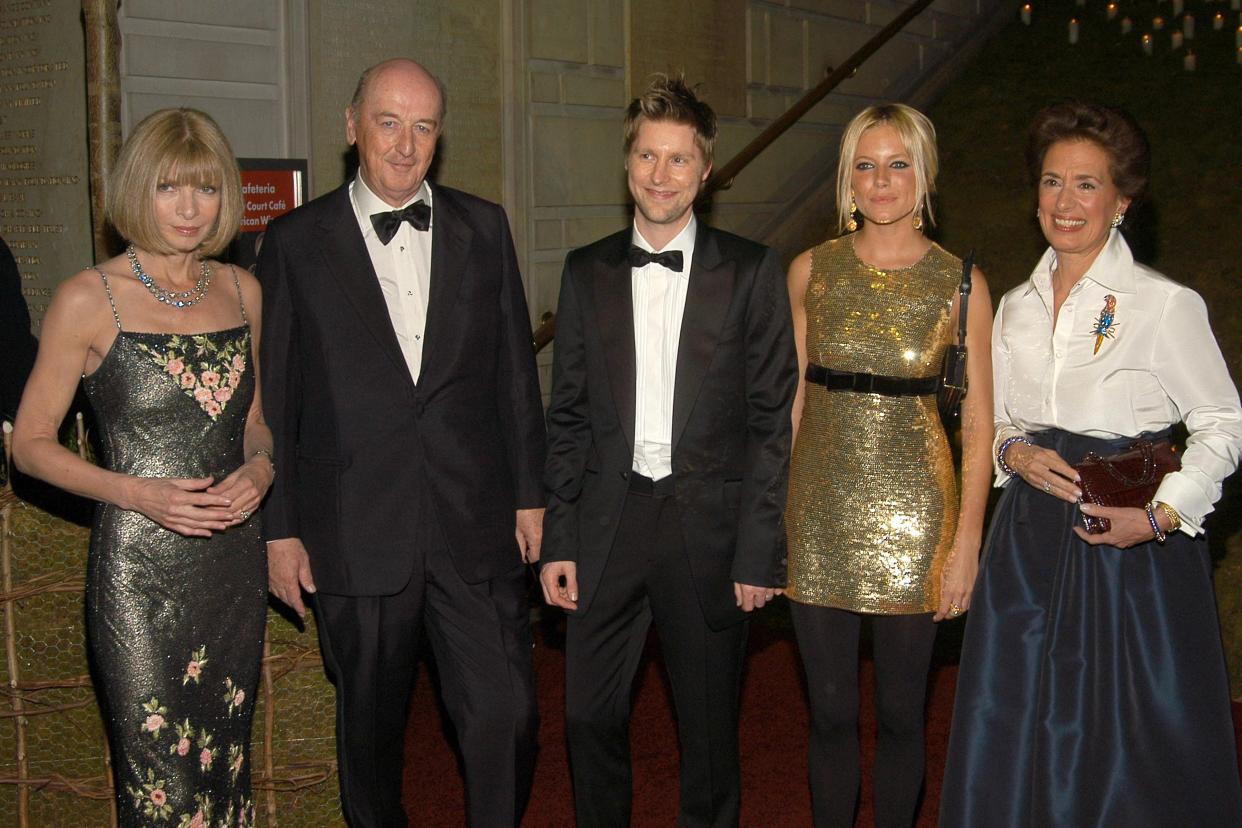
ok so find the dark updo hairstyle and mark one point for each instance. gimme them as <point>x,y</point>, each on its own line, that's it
<point>1112,130</point>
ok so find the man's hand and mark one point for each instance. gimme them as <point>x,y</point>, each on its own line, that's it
<point>288,573</point>
<point>558,593</point>
<point>529,533</point>
<point>751,598</point>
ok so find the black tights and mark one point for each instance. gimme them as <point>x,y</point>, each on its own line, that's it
<point>828,641</point>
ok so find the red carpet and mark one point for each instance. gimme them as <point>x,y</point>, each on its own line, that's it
<point>773,739</point>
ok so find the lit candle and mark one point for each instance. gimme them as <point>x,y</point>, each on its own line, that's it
<point>1188,62</point>
<point>1073,31</point>
<point>1177,7</point>
<point>1157,23</point>
<point>1188,26</point>
<point>1218,22</point>
<point>1026,14</point>
<point>1126,25</point>
<point>1112,10</point>
<point>1147,45</point>
<point>1176,41</point>
<point>1237,37</point>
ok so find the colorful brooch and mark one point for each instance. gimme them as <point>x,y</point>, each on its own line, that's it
<point>1104,327</point>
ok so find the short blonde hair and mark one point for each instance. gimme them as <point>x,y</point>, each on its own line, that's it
<point>670,98</point>
<point>174,146</point>
<point>917,135</point>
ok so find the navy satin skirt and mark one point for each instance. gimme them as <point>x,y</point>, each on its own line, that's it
<point>1092,689</point>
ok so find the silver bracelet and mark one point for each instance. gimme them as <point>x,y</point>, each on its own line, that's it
<point>1004,446</point>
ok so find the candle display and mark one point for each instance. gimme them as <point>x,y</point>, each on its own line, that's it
<point>1026,13</point>
<point>1126,25</point>
<point>1073,31</point>
<point>1188,62</point>
<point>1177,7</point>
<point>1218,22</point>
<point>1175,40</point>
<point>1112,10</point>
<point>1188,26</point>
<point>1147,45</point>
<point>1157,23</point>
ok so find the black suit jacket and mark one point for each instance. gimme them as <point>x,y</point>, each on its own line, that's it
<point>735,380</point>
<point>355,438</point>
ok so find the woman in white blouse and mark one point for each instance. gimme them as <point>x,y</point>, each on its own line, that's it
<point>1092,689</point>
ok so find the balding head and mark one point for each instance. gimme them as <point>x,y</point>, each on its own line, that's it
<point>395,121</point>
<point>411,69</point>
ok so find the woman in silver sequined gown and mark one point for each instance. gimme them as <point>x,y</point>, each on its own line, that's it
<point>177,579</point>
<point>873,518</point>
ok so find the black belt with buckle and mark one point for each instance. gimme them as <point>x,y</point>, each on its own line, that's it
<point>871,383</point>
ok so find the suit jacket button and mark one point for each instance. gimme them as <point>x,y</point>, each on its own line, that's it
<point>418,408</point>
<point>625,475</point>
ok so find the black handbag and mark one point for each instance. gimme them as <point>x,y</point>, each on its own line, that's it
<point>953,370</point>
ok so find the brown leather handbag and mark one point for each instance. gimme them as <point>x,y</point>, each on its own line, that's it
<point>1128,478</point>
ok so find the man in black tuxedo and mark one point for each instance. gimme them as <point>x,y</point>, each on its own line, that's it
<point>400,386</point>
<point>669,438</point>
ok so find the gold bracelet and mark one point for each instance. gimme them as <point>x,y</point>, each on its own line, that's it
<point>271,462</point>
<point>1175,520</point>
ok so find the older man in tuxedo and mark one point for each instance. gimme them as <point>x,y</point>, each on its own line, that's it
<point>669,438</point>
<point>400,385</point>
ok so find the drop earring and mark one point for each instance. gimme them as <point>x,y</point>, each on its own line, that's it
<point>918,220</point>
<point>852,224</point>
<point>1118,218</point>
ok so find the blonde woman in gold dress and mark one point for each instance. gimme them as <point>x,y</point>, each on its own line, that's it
<point>875,523</point>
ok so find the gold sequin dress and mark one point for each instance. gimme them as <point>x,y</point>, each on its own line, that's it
<point>873,495</point>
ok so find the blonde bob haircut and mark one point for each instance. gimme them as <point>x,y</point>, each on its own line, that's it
<point>173,146</point>
<point>917,135</point>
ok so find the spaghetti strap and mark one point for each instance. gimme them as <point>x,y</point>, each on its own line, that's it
<point>240,300</point>
<point>108,290</point>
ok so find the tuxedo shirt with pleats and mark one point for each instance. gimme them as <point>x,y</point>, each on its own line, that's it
<point>403,267</point>
<point>659,296</point>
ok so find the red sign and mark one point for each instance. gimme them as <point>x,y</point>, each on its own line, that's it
<point>268,194</point>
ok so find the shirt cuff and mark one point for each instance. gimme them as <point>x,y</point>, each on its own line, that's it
<point>1180,492</point>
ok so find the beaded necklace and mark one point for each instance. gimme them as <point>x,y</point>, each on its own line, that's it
<point>175,299</point>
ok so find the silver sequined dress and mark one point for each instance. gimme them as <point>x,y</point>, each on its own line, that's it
<point>175,623</point>
<point>872,494</point>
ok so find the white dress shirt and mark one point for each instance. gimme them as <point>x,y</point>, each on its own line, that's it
<point>659,296</point>
<point>403,267</point>
<point>1161,365</point>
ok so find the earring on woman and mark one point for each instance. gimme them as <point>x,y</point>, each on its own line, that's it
<point>1118,218</point>
<point>852,224</point>
<point>918,219</point>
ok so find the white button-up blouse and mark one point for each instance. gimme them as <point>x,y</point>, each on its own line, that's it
<point>1154,363</point>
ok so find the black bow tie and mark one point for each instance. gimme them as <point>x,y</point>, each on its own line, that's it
<point>669,258</point>
<point>386,224</point>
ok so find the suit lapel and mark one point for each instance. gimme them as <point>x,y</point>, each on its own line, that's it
<point>450,248</point>
<point>707,303</point>
<point>346,254</point>
<point>614,310</point>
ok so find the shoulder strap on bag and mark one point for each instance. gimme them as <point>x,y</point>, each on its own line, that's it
<point>963,290</point>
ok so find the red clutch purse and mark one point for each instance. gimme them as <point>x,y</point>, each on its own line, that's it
<point>1128,478</point>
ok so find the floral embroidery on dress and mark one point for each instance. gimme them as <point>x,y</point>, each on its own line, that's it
<point>201,818</point>
<point>151,798</point>
<point>198,660</point>
<point>154,722</point>
<point>234,695</point>
<point>236,757</point>
<point>206,753</point>
<point>207,372</point>
<point>185,738</point>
